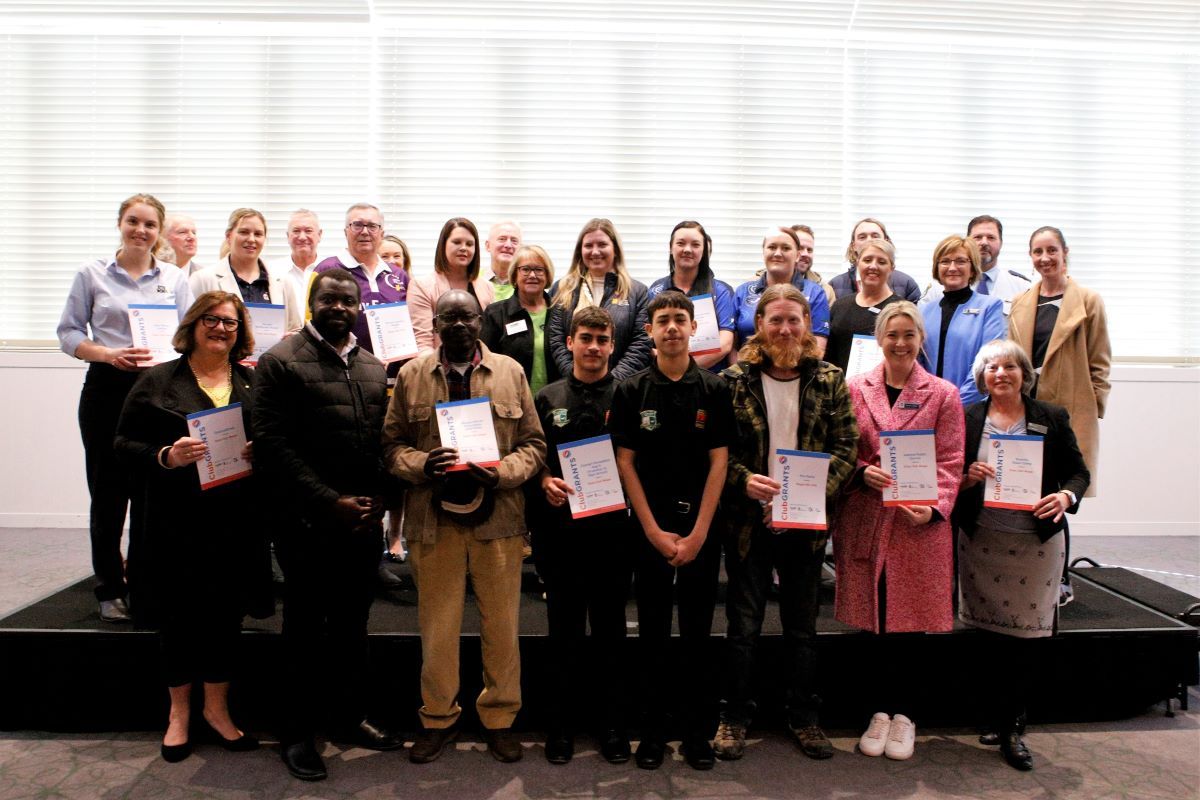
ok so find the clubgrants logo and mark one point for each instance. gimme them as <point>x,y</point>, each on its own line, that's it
<point>445,412</point>
<point>887,441</point>
<point>650,420</point>
<point>195,423</point>
<point>996,444</point>
<point>565,454</point>
<point>783,459</point>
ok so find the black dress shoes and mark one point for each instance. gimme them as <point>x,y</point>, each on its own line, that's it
<point>698,753</point>
<point>1015,752</point>
<point>372,737</point>
<point>650,753</point>
<point>560,747</point>
<point>614,746</point>
<point>174,753</point>
<point>303,761</point>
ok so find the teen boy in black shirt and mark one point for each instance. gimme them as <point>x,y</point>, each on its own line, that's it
<point>672,424</point>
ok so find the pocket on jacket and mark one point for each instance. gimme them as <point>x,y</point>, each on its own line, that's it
<point>419,413</point>
<point>507,410</point>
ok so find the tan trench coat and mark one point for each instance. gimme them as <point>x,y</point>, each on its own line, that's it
<point>1075,371</point>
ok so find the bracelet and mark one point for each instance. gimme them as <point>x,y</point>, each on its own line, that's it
<point>162,457</point>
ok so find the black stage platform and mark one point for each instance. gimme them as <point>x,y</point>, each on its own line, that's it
<point>61,668</point>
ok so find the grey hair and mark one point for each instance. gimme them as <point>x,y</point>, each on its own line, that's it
<point>1003,349</point>
<point>358,206</point>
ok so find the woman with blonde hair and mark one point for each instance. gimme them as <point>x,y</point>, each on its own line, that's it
<point>598,278</point>
<point>242,271</point>
<point>516,327</point>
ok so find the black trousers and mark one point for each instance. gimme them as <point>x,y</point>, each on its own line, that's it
<point>586,566</point>
<point>694,587</point>
<point>104,392</point>
<point>329,584</point>
<point>797,557</point>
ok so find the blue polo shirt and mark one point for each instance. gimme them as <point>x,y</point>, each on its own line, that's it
<point>746,301</point>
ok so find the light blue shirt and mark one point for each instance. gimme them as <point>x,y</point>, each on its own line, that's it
<point>100,297</point>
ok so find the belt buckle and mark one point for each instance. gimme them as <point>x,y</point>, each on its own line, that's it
<point>682,507</point>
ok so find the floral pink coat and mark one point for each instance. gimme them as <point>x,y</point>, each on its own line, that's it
<point>867,536</point>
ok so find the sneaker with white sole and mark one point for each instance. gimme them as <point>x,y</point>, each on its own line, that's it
<point>730,741</point>
<point>902,737</point>
<point>874,740</point>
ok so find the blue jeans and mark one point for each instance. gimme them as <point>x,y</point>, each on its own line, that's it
<point>797,557</point>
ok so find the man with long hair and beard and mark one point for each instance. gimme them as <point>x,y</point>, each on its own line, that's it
<point>784,398</point>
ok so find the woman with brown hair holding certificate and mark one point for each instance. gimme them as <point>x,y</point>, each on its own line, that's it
<point>202,561</point>
<point>1024,471</point>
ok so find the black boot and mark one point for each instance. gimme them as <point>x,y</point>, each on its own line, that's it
<point>1013,747</point>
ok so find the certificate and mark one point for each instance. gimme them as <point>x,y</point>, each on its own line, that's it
<point>590,468</point>
<point>1018,464</point>
<point>707,338</point>
<point>801,476</point>
<point>269,323</point>
<point>910,460</point>
<point>466,425</point>
<point>153,327</point>
<point>391,330</point>
<point>222,430</point>
<point>865,355</point>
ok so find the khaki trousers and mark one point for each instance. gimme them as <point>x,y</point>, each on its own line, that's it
<point>440,570</point>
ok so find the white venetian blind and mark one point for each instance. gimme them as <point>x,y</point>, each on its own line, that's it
<point>742,115</point>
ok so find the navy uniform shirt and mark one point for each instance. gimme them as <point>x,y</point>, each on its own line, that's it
<point>672,426</point>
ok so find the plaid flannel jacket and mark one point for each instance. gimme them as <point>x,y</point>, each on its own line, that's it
<point>827,425</point>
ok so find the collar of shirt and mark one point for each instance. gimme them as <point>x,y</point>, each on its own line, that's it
<point>475,359</point>
<point>263,278</point>
<point>113,268</point>
<point>690,375</point>
<point>351,343</point>
<point>372,280</point>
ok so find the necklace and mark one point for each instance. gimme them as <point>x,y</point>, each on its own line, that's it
<point>218,394</point>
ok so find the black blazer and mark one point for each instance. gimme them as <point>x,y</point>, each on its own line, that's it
<point>1062,463</point>
<point>517,346</point>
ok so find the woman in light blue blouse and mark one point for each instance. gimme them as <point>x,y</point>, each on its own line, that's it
<point>95,327</point>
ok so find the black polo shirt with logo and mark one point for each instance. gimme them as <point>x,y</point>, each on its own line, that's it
<point>672,426</point>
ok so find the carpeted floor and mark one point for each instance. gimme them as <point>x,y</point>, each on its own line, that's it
<point>1148,756</point>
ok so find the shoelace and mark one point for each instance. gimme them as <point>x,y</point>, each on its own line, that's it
<point>876,729</point>
<point>899,730</point>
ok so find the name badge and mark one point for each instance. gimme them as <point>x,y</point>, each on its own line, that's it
<point>971,312</point>
<point>516,326</point>
<point>1033,427</point>
<point>1007,308</point>
<point>910,406</point>
<point>873,309</point>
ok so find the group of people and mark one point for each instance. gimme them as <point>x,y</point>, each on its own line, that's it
<point>337,439</point>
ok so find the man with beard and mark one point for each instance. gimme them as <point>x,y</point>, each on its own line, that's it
<point>319,407</point>
<point>1006,284</point>
<point>784,398</point>
<point>464,521</point>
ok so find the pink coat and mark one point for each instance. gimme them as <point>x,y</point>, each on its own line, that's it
<point>866,535</point>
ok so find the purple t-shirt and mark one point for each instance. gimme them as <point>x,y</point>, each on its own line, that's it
<point>390,286</point>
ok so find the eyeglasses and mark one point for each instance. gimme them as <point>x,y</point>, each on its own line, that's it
<point>454,318</point>
<point>958,262</point>
<point>212,321</point>
<point>531,270</point>
<point>358,226</point>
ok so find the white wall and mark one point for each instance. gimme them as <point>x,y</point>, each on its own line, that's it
<point>1149,469</point>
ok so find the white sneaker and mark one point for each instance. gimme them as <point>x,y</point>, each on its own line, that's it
<point>901,738</point>
<point>872,742</point>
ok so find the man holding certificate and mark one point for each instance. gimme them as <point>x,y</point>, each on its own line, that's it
<point>1013,542</point>
<point>581,535</point>
<point>465,515</point>
<point>785,399</point>
<point>320,402</point>
<point>892,539</point>
<point>672,426</point>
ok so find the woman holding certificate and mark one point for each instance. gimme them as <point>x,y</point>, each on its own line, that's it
<point>690,274</point>
<point>95,327</point>
<point>517,327</point>
<point>1014,530</point>
<point>854,314</point>
<point>961,320</point>
<point>1063,329</point>
<point>598,277</point>
<point>203,562</point>
<point>892,538</point>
